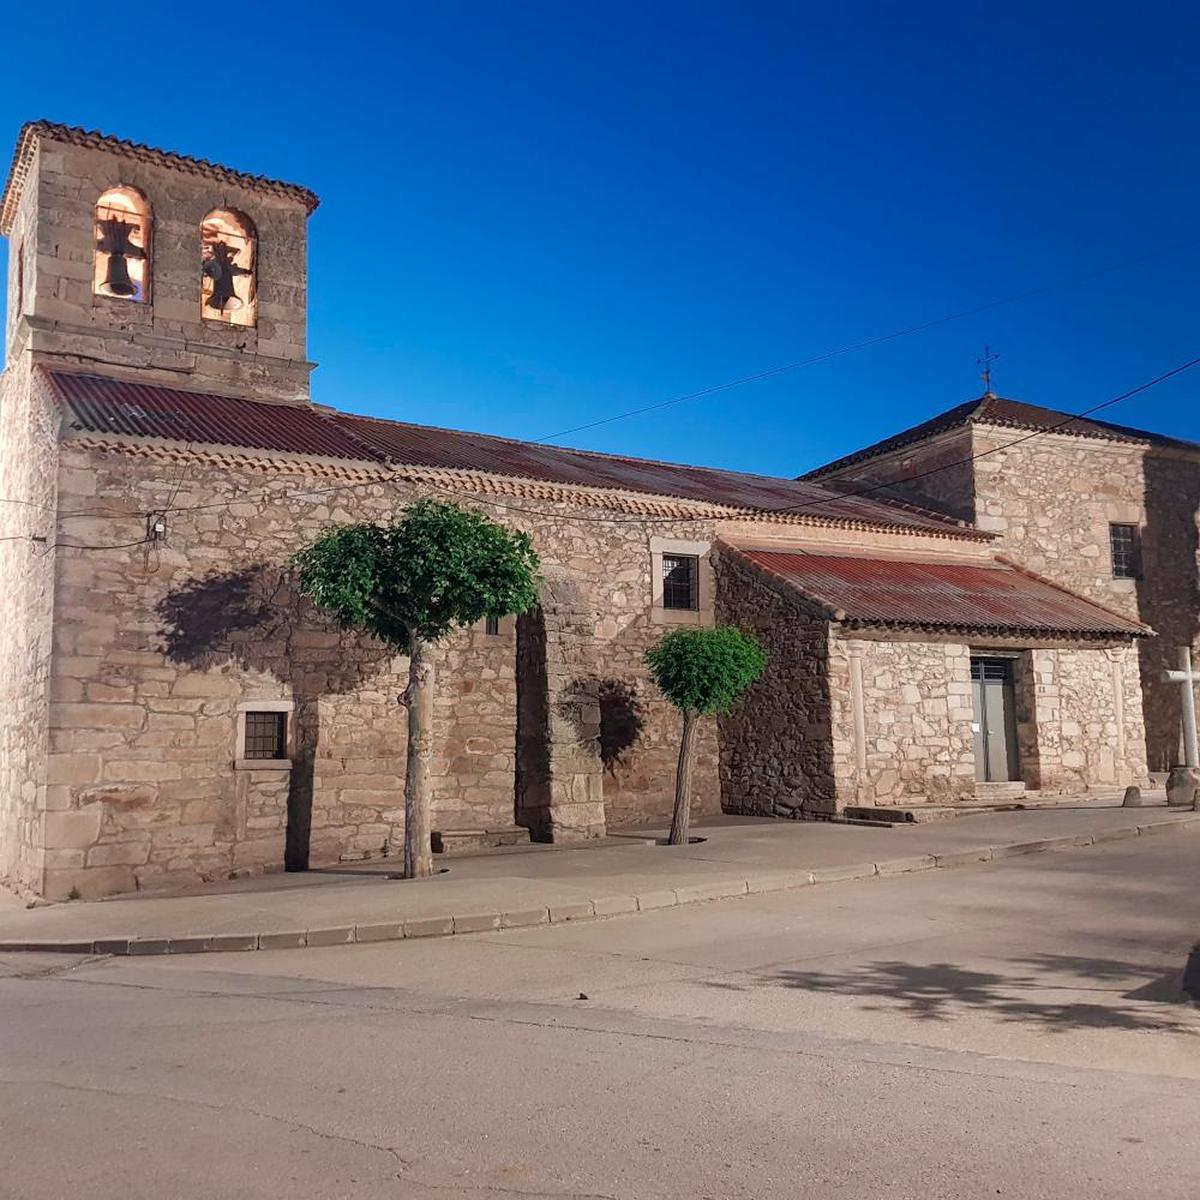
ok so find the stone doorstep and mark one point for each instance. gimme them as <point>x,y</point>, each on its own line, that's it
<point>449,842</point>
<point>614,905</point>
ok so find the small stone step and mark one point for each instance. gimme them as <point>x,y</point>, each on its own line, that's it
<point>999,791</point>
<point>918,814</point>
<point>465,841</point>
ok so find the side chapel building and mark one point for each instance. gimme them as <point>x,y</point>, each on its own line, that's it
<point>170,711</point>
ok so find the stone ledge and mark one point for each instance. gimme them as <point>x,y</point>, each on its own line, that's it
<point>606,906</point>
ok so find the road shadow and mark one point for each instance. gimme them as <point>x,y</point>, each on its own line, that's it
<point>1037,991</point>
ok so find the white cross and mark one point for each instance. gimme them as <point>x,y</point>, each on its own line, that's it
<point>1187,679</point>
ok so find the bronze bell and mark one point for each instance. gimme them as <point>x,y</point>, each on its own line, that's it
<point>116,279</point>
<point>116,240</point>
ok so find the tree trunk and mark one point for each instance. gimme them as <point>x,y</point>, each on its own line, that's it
<point>418,696</point>
<point>682,817</point>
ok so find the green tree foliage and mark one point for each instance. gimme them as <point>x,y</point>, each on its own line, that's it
<point>702,672</point>
<point>410,582</point>
<point>438,567</point>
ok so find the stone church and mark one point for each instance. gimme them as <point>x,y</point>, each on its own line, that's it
<point>944,625</point>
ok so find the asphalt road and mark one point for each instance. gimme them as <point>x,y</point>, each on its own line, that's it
<point>1008,1030</point>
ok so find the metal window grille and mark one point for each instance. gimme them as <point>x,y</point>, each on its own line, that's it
<point>266,735</point>
<point>989,669</point>
<point>680,576</point>
<point>1123,541</point>
<point>491,626</point>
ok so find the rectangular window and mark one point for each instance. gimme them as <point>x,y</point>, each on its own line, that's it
<point>1126,559</point>
<point>491,626</point>
<point>681,574</point>
<point>266,735</point>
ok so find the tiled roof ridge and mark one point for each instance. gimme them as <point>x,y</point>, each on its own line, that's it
<point>952,418</point>
<point>951,525</point>
<point>890,501</point>
<point>341,423</point>
<point>76,135</point>
<point>599,454</point>
<point>988,409</point>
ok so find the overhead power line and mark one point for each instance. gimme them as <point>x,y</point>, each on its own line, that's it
<point>1087,412</point>
<point>834,499</point>
<point>713,390</point>
<point>866,343</point>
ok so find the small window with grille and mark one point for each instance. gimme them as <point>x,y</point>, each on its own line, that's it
<point>681,573</point>
<point>1126,557</point>
<point>266,735</point>
<point>491,626</point>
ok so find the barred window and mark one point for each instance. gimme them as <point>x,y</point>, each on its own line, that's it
<point>681,573</point>
<point>266,735</point>
<point>1126,559</point>
<point>491,626</point>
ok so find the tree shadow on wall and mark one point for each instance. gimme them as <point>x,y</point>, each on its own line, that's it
<point>944,991</point>
<point>1168,593</point>
<point>621,714</point>
<point>255,618</point>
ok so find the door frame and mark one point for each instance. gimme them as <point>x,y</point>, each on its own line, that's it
<point>985,770</point>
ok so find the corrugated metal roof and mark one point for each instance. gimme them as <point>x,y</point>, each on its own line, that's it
<point>993,597</point>
<point>420,445</point>
<point>1015,414</point>
<point>100,404</point>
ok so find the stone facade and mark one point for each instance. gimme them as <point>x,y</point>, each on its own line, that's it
<point>28,471</point>
<point>1050,500</point>
<point>52,308</point>
<point>133,658</point>
<point>1079,718</point>
<point>901,720</point>
<point>157,648</point>
<point>776,746</point>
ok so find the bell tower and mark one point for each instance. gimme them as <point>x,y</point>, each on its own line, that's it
<point>147,264</point>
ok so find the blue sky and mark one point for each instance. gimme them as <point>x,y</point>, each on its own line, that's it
<point>536,216</point>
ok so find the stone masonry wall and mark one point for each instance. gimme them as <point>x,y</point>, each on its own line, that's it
<point>1079,718</point>
<point>776,751</point>
<point>1051,500</point>
<point>936,474</point>
<point>901,720</point>
<point>28,455</point>
<point>165,340</point>
<point>22,262</point>
<point>158,646</point>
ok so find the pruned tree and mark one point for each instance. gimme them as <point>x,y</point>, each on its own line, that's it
<point>702,672</point>
<point>409,582</point>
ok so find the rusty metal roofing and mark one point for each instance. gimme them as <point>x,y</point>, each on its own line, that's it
<point>1013,414</point>
<point>991,597</point>
<point>73,135</point>
<point>99,404</point>
<point>420,445</point>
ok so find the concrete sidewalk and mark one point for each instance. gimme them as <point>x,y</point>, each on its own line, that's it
<point>550,884</point>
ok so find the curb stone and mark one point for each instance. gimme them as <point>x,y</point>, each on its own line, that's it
<point>903,866</point>
<point>963,858</point>
<point>838,874</point>
<point>606,906</point>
